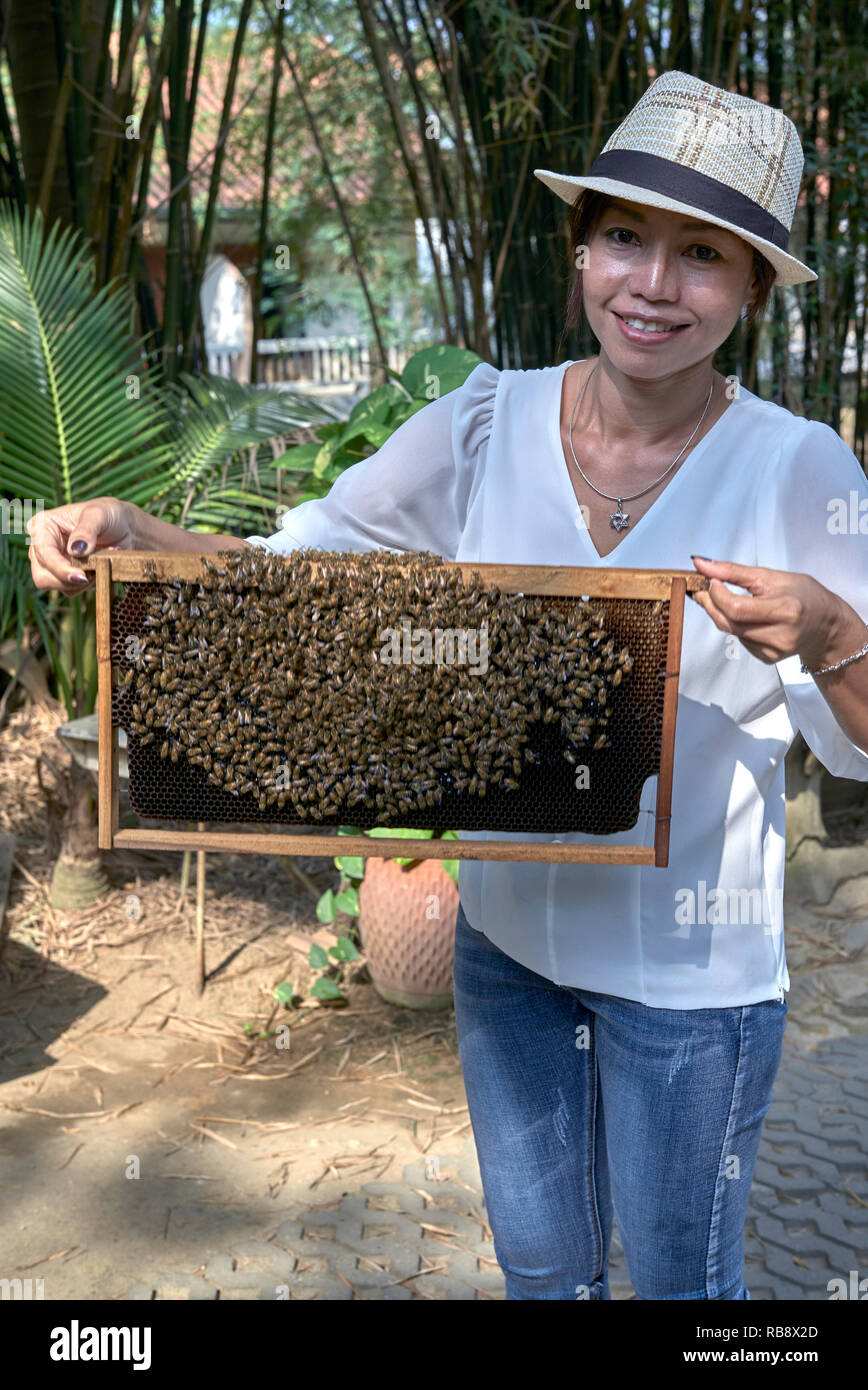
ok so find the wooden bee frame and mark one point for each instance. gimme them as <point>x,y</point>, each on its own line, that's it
<point>113,567</point>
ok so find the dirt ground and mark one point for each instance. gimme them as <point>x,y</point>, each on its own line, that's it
<point>139,1119</point>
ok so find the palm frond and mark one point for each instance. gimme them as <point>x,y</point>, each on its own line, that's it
<point>22,607</point>
<point>217,417</point>
<point>79,413</point>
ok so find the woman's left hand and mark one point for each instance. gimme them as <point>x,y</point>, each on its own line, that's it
<point>781,615</point>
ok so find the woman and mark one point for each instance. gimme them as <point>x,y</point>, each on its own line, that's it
<point>619,1037</point>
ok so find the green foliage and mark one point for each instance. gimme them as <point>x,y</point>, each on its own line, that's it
<point>352,869</point>
<point>345,900</point>
<point>250,1028</point>
<point>430,373</point>
<point>317,958</point>
<point>325,908</point>
<point>81,415</point>
<point>327,986</point>
<point>348,901</point>
<point>21,606</point>
<point>344,951</point>
<point>435,371</point>
<point>351,866</point>
<point>330,965</point>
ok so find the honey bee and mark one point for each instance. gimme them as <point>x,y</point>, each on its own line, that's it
<point>282,652</point>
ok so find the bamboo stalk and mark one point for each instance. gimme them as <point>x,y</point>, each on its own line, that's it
<point>193,314</point>
<point>178,20</point>
<point>13,164</point>
<point>76,123</point>
<point>605,85</point>
<point>389,85</point>
<point>127,250</point>
<point>46,183</point>
<point>266,185</point>
<point>336,193</point>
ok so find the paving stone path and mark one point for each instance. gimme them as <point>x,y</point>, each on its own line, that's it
<point>807,1223</point>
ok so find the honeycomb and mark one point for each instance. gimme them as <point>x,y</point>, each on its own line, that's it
<point>547,799</point>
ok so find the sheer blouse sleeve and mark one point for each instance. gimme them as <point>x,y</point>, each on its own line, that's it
<point>813,519</point>
<point>413,493</point>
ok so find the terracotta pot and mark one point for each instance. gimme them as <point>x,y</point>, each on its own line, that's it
<point>409,949</point>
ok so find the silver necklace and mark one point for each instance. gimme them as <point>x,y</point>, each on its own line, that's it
<point>620,519</point>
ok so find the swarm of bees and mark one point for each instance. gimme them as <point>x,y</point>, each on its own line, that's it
<point>270,675</point>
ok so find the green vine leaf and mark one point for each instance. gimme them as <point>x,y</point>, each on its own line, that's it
<point>324,988</point>
<point>326,908</point>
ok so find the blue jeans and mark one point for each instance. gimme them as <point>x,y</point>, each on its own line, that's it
<point>586,1104</point>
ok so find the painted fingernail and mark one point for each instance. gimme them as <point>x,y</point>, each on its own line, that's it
<point>704,557</point>
<point>78,578</point>
<point>78,547</point>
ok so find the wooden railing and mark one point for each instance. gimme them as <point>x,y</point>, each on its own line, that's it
<point>322,361</point>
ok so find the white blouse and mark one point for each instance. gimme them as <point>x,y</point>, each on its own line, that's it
<point>480,475</point>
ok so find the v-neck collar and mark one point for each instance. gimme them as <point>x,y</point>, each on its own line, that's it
<point>558,375</point>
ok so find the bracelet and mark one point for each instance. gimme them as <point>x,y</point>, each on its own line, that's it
<point>821,670</point>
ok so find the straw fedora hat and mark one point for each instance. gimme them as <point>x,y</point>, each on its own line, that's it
<point>693,148</point>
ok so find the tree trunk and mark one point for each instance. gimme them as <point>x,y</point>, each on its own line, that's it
<point>78,878</point>
<point>36,69</point>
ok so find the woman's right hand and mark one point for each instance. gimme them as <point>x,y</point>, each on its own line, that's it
<point>63,536</point>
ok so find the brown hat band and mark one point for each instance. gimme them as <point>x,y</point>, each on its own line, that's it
<point>657,175</point>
